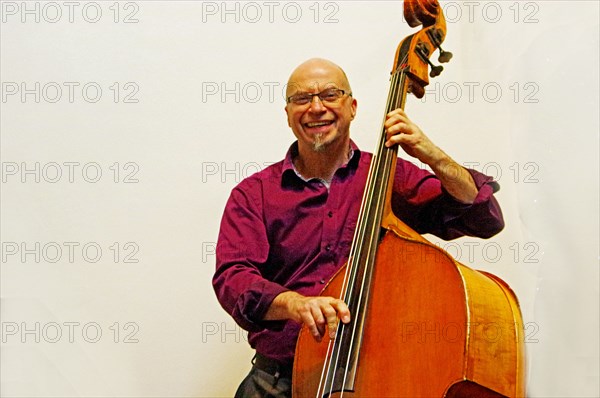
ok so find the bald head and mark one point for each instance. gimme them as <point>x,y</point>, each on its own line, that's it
<point>322,124</point>
<point>317,74</point>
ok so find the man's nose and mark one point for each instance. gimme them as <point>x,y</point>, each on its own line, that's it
<point>316,105</point>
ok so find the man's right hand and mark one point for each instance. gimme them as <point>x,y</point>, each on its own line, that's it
<point>317,313</point>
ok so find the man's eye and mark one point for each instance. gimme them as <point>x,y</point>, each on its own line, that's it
<point>329,96</point>
<point>301,99</point>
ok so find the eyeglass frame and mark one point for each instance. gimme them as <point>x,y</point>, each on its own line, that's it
<point>289,99</point>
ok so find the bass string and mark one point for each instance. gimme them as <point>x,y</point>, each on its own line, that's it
<point>383,171</point>
<point>362,218</point>
<point>374,176</point>
<point>381,164</point>
<point>378,192</point>
<point>360,233</point>
<point>350,272</point>
<point>326,382</point>
<point>365,234</point>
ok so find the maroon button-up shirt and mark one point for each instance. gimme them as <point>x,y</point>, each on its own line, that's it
<point>280,232</point>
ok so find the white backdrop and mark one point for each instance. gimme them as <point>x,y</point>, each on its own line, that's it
<point>124,126</point>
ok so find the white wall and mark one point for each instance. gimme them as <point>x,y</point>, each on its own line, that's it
<point>180,143</point>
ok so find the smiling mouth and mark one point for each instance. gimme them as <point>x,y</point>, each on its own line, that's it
<point>318,124</point>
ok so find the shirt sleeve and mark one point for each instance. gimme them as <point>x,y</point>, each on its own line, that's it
<point>242,250</point>
<point>420,200</point>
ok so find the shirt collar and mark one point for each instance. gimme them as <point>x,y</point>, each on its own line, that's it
<point>289,168</point>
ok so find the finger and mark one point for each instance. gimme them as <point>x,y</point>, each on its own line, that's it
<point>396,112</point>
<point>332,320</point>
<point>392,120</point>
<point>307,318</point>
<point>398,139</point>
<point>396,129</point>
<point>320,321</point>
<point>343,312</point>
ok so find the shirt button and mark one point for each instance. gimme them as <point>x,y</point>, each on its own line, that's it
<point>322,281</point>
<point>330,214</point>
<point>328,247</point>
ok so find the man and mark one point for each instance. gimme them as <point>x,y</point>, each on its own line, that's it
<point>287,229</point>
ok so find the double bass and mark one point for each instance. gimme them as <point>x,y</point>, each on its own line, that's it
<point>423,325</point>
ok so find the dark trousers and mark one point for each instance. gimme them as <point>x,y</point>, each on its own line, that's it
<point>261,384</point>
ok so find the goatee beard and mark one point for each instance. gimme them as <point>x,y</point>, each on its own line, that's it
<point>319,145</point>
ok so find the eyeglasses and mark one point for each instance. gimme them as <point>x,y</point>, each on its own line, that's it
<point>329,96</point>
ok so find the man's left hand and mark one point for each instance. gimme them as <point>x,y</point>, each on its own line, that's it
<point>402,131</point>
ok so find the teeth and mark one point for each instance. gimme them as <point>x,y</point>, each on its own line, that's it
<point>316,124</point>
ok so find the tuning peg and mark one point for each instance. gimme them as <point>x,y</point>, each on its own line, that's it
<point>435,35</point>
<point>435,70</point>
<point>423,52</point>
<point>445,56</point>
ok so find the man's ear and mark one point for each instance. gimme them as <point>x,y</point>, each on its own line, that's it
<point>287,116</point>
<point>354,106</point>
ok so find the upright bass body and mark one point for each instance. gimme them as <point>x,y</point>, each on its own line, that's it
<point>422,324</point>
<point>435,328</point>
